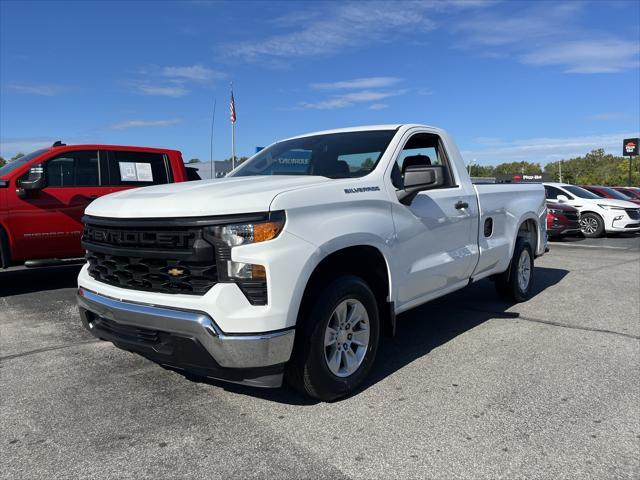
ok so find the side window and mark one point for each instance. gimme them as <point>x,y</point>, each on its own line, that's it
<point>137,168</point>
<point>553,192</point>
<point>422,149</point>
<point>73,169</point>
<point>359,163</point>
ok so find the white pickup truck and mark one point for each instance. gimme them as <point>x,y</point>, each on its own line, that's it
<point>294,264</point>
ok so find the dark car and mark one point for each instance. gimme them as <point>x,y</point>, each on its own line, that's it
<point>562,219</point>
<point>631,192</point>
<point>608,192</point>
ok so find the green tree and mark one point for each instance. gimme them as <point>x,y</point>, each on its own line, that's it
<point>2,162</point>
<point>194,160</point>
<point>17,156</point>
<point>595,168</point>
<point>512,168</point>
<point>481,170</point>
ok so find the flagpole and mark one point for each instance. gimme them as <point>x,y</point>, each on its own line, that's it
<point>233,134</point>
<point>213,121</point>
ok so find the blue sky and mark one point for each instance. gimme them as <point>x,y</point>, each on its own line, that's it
<point>510,80</point>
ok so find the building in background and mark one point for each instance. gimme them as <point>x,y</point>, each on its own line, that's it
<point>204,169</point>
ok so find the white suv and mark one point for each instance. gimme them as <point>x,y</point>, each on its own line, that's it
<point>597,215</point>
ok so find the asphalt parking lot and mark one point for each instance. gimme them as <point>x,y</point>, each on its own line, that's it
<point>470,388</point>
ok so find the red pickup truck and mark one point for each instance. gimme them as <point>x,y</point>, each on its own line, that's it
<point>43,195</point>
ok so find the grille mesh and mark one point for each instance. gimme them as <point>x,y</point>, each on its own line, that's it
<point>152,274</point>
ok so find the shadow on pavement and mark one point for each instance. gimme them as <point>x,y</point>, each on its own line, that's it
<point>421,330</point>
<point>29,280</point>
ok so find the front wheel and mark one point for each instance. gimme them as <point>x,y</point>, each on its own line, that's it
<point>591,225</point>
<point>336,340</point>
<point>517,282</point>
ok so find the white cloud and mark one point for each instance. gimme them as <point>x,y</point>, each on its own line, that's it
<point>588,56</point>
<point>369,82</point>
<point>609,116</point>
<point>348,99</point>
<point>172,90</point>
<point>46,90</point>
<point>346,25</point>
<point>194,72</point>
<point>547,35</point>
<point>144,124</point>
<point>546,149</point>
<point>378,106</point>
<point>9,146</point>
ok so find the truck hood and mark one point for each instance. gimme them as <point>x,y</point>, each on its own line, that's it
<point>200,198</point>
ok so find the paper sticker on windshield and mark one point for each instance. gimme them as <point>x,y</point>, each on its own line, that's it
<point>128,172</point>
<point>135,172</point>
<point>144,172</point>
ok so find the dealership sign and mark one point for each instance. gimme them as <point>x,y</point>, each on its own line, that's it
<point>630,147</point>
<point>523,178</point>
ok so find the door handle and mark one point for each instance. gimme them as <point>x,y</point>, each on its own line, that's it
<point>460,205</point>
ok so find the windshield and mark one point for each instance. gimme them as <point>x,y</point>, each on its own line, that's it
<point>13,164</point>
<point>616,194</point>
<point>332,155</point>
<point>581,192</point>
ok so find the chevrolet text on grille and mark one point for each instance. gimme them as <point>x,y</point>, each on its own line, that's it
<point>126,237</point>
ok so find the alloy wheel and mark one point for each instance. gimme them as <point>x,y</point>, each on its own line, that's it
<point>346,338</point>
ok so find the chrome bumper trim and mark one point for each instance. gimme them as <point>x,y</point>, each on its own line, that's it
<point>231,351</point>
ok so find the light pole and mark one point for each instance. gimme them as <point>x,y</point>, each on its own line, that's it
<point>560,171</point>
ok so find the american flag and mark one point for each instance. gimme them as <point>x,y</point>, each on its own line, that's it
<point>232,109</point>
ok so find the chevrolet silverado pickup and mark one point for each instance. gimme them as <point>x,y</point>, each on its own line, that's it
<point>43,195</point>
<point>293,265</point>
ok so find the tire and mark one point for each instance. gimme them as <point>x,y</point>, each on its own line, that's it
<point>516,283</point>
<point>5,258</point>
<point>313,369</point>
<point>591,225</point>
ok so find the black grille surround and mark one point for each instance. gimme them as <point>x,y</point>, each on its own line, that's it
<point>164,255</point>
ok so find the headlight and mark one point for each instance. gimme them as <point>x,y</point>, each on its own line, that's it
<point>252,232</point>
<point>236,234</point>
<point>555,211</point>
<point>610,207</point>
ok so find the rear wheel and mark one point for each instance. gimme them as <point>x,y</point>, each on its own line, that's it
<point>336,340</point>
<point>517,282</point>
<point>591,225</point>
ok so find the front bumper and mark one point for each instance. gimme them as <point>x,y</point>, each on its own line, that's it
<point>187,340</point>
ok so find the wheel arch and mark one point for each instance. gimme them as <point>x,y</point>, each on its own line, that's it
<point>365,261</point>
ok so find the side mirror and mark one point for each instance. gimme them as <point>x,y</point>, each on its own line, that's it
<point>419,178</point>
<point>562,198</point>
<point>34,181</point>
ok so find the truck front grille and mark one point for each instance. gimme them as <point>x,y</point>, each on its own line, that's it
<point>173,259</point>
<point>152,274</point>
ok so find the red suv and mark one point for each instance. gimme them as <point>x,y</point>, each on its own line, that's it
<point>562,219</point>
<point>43,195</point>
<point>631,192</point>
<point>608,192</point>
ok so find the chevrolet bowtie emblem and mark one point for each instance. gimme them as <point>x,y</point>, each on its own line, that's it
<point>175,272</point>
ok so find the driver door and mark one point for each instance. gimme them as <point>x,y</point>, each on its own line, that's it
<point>47,223</point>
<point>437,231</point>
